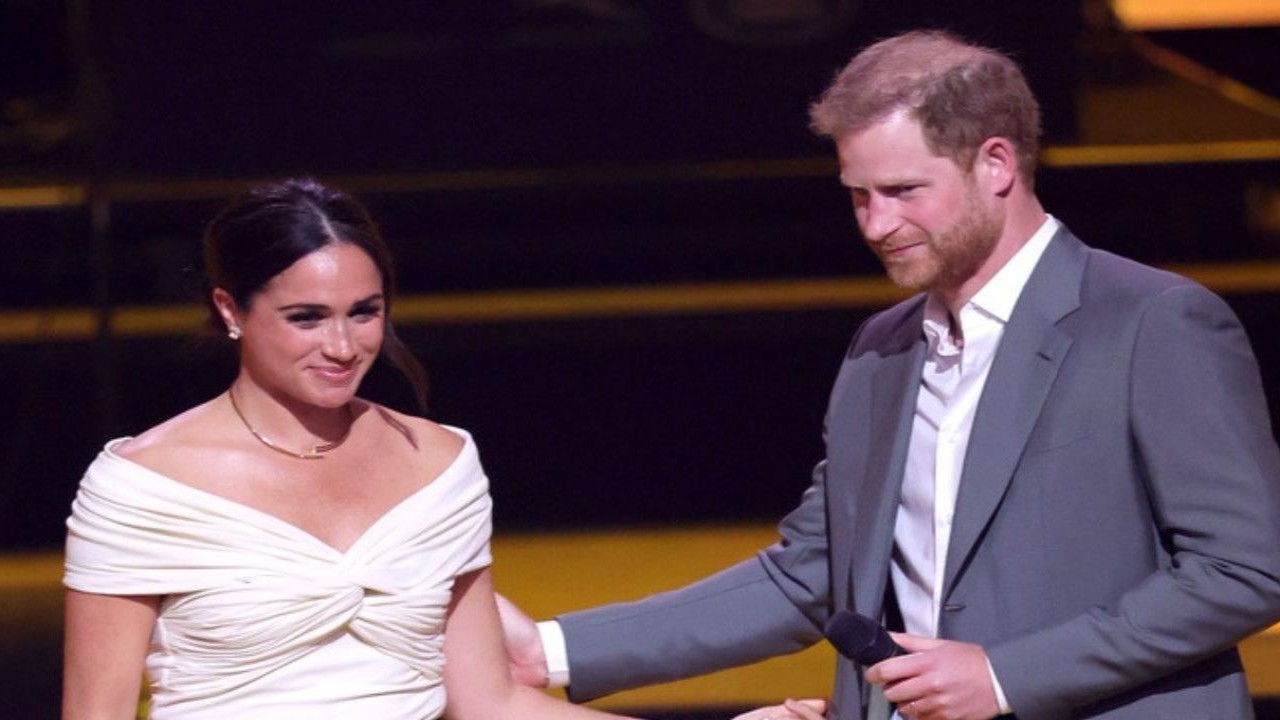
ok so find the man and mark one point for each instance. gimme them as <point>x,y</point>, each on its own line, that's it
<point>1053,467</point>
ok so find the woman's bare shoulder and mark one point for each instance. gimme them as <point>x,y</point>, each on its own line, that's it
<point>424,438</point>
<point>189,439</point>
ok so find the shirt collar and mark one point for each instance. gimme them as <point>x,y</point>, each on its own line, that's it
<point>995,299</point>
<point>937,327</point>
<point>1001,292</point>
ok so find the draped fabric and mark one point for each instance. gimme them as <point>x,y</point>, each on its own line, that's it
<point>261,618</point>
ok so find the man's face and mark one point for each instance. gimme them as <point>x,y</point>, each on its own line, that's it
<point>921,214</point>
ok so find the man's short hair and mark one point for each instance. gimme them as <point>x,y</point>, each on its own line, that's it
<point>960,93</point>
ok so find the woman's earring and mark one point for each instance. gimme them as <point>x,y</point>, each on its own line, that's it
<point>233,332</point>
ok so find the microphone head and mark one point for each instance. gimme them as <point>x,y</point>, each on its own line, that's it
<point>860,638</point>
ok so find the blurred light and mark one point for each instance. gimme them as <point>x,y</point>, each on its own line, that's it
<point>38,196</point>
<point>1187,14</point>
<point>1262,202</point>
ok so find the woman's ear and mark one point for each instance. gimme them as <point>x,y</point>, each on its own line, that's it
<point>226,306</point>
<point>997,165</point>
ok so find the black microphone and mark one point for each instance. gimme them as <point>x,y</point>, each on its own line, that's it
<point>860,638</point>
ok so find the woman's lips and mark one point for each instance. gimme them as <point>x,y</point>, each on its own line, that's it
<point>334,374</point>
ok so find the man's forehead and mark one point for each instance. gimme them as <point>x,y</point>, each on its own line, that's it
<point>887,154</point>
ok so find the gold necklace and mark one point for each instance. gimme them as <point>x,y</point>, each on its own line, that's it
<point>315,453</point>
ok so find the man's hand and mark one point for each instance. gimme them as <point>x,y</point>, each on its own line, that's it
<point>528,662</point>
<point>790,710</point>
<point>938,680</point>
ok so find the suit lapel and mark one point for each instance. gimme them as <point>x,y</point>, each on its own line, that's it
<point>1023,371</point>
<point>893,398</point>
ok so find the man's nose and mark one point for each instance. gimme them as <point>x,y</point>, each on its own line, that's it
<point>878,219</point>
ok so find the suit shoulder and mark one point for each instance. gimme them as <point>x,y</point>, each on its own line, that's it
<point>1124,290</point>
<point>1111,274</point>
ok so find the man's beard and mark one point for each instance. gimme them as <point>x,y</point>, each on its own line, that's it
<point>954,256</point>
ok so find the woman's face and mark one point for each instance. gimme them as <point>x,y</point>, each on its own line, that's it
<point>313,331</point>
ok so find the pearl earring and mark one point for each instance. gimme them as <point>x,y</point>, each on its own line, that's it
<point>233,332</point>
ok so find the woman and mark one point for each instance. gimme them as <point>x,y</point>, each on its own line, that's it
<point>287,547</point>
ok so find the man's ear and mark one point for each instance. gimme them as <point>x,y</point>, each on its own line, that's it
<point>996,165</point>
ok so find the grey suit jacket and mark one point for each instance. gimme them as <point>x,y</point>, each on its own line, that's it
<point>1117,529</point>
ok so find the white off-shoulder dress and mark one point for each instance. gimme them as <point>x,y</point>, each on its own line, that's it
<point>260,619</point>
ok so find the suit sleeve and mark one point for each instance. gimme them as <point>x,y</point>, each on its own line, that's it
<point>772,604</point>
<point>1201,433</point>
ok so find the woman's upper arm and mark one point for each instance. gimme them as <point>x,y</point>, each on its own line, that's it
<point>106,641</point>
<point>475,673</point>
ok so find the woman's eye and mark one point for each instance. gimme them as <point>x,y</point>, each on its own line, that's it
<point>366,311</point>
<point>305,318</point>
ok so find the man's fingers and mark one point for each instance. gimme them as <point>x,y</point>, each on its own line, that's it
<point>915,643</point>
<point>807,709</point>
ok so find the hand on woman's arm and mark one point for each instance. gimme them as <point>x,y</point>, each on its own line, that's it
<point>106,641</point>
<point>789,710</point>
<point>477,674</point>
<point>527,659</point>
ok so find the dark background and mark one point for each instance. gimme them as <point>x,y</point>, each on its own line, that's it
<point>529,144</point>
<point>603,107</point>
<point>522,145</point>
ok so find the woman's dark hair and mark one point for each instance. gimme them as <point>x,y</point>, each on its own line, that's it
<point>271,226</point>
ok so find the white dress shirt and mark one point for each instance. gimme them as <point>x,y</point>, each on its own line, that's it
<point>951,383</point>
<point>955,371</point>
<point>950,387</point>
